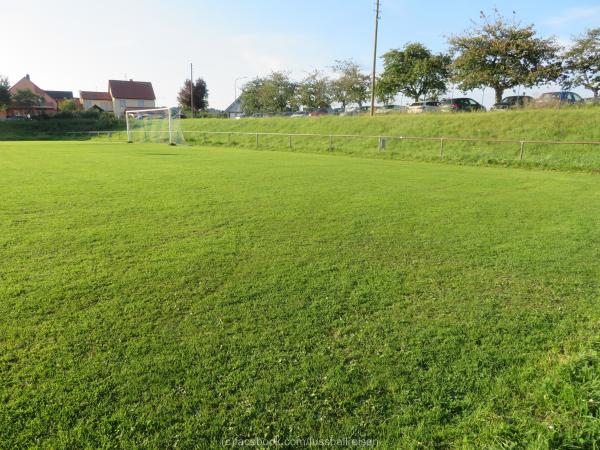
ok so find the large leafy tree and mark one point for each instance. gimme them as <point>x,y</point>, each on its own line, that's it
<point>250,98</point>
<point>277,93</point>
<point>351,86</point>
<point>4,92</point>
<point>200,95</point>
<point>314,91</point>
<point>502,55</point>
<point>414,71</point>
<point>582,62</point>
<point>272,94</point>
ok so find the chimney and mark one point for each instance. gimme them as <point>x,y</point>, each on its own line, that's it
<point>130,79</point>
<point>27,76</point>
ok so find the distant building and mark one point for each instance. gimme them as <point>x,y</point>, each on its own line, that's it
<point>60,96</point>
<point>128,95</point>
<point>235,109</point>
<point>121,96</point>
<point>100,101</point>
<point>47,106</point>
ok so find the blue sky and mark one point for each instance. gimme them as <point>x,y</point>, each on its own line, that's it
<point>79,45</point>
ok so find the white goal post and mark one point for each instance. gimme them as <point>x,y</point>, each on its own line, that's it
<point>153,125</point>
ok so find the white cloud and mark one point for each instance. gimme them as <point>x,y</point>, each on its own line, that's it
<point>574,14</point>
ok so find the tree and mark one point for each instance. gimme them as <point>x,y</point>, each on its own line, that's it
<point>352,86</point>
<point>273,94</point>
<point>414,71</point>
<point>314,91</point>
<point>251,97</point>
<point>276,93</point>
<point>385,91</point>
<point>67,105</point>
<point>582,62</point>
<point>200,95</point>
<point>4,92</point>
<point>27,99</point>
<point>502,56</point>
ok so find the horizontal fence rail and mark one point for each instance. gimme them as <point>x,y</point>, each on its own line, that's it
<point>391,137</point>
<point>380,139</point>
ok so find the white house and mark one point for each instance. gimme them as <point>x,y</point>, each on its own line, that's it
<point>121,96</point>
<point>102,101</point>
<point>127,95</point>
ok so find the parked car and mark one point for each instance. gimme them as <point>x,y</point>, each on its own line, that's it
<point>350,111</point>
<point>421,107</point>
<point>17,118</point>
<point>390,108</point>
<point>461,105</point>
<point>319,112</point>
<point>558,98</point>
<point>513,102</point>
<point>300,114</point>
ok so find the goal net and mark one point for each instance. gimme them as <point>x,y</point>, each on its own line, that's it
<point>160,125</point>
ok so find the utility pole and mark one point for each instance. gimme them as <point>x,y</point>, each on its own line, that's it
<point>192,88</point>
<point>373,81</point>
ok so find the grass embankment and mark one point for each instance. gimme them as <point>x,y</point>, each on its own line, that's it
<point>566,124</point>
<point>160,297</point>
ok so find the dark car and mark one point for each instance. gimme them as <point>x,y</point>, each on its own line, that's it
<point>513,102</point>
<point>558,98</point>
<point>319,112</point>
<point>460,105</point>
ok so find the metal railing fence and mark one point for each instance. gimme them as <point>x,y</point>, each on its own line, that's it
<point>329,138</point>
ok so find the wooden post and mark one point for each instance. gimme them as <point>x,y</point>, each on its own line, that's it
<point>290,141</point>
<point>521,153</point>
<point>256,140</point>
<point>442,148</point>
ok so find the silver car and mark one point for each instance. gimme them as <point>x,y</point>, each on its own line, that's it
<point>421,107</point>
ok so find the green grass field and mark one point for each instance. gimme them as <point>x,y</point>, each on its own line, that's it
<point>162,297</point>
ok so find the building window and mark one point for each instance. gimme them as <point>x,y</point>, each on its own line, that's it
<point>141,103</point>
<point>122,103</point>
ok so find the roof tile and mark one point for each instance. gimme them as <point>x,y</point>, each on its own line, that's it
<point>136,90</point>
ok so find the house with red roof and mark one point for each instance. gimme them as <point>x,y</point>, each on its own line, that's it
<point>128,95</point>
<point>100,101</point>
<point>122,96</point>
<point>47,103</point>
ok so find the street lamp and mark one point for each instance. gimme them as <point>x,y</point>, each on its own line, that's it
<point>235,87</point>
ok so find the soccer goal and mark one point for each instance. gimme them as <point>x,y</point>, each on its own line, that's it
<point>160,125</point>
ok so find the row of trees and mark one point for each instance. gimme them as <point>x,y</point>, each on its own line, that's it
<point>278,93</point>
<point>496,54</point>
